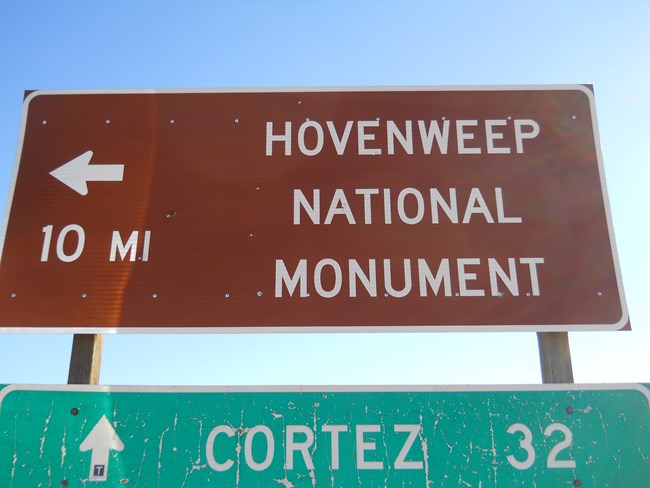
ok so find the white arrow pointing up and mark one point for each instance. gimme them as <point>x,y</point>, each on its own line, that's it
<point>78,172</point>
<point>101,440</point>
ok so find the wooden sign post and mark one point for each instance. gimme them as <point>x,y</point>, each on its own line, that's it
<point>85,359</point>
<point>555,357</point>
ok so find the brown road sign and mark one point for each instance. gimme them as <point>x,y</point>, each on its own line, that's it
<point>474,208</point>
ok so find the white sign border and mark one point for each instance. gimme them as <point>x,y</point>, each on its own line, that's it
<point>331,388</point>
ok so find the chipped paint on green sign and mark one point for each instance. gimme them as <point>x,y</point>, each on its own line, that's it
<point>560,435</point>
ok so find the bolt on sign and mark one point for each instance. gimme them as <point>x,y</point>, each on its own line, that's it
<point>544,435</point>
<point>473,208</point>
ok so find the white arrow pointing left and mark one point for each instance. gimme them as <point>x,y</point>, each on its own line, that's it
<point>78,172</point>
<point>101,440</point>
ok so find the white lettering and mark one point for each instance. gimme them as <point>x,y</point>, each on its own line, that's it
<point>491,136</point>
<point>462,136</point>
<point>451,208</point>
<point>476,204</point>
<point>339,206</point>
<point>420,206</point>
<point>330,276</point>
<point>248,448</point>
<point>367,203</point>
<point>532,266</point>
<point>464,277</point>
<point>388,280</point>
<point>388,215</point>
<point>501,218</point>
<point>520,134</point>
<point>303,447</point>
<point>400,462</point>
<point>271,138</point>
<point>340,142</point>
<point>300,201</point>
<point>282,277</point>
<point>363,446</point>
<point>145,246</point>
<point>369,282</point>
<point>363,137</point>
<point>319,138</point>
<point>335,430</point>
<point>406,141</point>
<point>338,278</point>
<point>509,279</point>
<point>212,462</point>
<point>434,133</point>
<point>60,243</point>
<point>373,140</point>
<point>443,275</point>
<point>118,246</point>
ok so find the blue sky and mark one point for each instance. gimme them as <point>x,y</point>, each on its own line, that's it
<point>161,44</point>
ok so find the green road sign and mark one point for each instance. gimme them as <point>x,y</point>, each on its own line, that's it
<point>545,436</point>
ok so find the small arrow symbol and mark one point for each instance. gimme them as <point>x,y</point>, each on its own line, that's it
<point>101,440</point>
<point>78,172</point>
